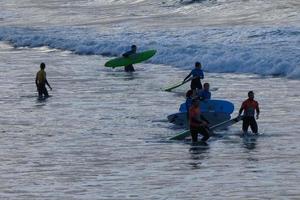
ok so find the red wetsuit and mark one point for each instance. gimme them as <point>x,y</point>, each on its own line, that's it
<point>250,106</point>
<point>197,125</point>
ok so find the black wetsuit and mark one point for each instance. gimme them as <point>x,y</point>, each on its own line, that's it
<point>250,121</point>
<point>249,107</point>
<point>41,82</point>
<point>128,68</point>
<point>42,90</point>
<point>195,128</point>
<point>196,84</point>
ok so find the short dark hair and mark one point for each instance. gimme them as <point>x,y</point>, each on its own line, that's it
<point>250,92</point>
<point>189,93</point>
<point>197,64</point>
<point>133,46</point>
<point>206,84</point>
<point>42,65</point>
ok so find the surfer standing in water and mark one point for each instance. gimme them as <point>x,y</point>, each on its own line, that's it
<point>197,74</point>
<point>249,107</point>
<point>197,123</point>
<point>41,82</point>
<point>129,68</point>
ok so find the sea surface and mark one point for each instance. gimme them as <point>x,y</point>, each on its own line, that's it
<point>103,133</point>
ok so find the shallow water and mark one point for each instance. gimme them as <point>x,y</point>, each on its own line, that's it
<point>103,134</point>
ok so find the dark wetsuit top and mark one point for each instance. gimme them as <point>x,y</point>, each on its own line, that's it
<point>249,107</point>
<point>41,82</point>
<point>129,68</point>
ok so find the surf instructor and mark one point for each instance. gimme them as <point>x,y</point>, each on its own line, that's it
<point>129,68</point>
<point>197,74</point>
<point>249,107</point>
<point>41,82</point>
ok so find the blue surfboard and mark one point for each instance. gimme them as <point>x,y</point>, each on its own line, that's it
<point>214,118</point>
<point>212,105</point>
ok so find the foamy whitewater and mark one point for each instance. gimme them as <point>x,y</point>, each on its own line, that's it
<point>227,36</point>
<point>104,134</point>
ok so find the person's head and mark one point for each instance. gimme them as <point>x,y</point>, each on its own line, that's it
<point>251,95</point>
<point>189,94</point>
<point>206,86</point>
<point>198,65</point>
<point>133,48</point>
<point>42,65</point>
<point>195,102</point>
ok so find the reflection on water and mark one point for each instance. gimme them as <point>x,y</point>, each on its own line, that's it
<point>100,136</point>
<point>249,140</point>
<point>198,153</point>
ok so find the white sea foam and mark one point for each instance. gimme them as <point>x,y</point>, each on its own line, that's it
<point>256,36</point>
<point>265,51</point>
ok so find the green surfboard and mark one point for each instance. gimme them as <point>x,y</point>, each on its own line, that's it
<point>186,133</point>
<point>132,59</point>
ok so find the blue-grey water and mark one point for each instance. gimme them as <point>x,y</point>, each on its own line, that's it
<point>104,135</point>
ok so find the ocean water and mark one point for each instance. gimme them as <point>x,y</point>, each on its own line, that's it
<point>104,135</point>
<point>260,37</point>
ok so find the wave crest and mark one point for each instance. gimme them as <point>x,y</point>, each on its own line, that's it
<point>264,51</point>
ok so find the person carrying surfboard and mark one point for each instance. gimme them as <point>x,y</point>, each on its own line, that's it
<point>249,107</point>
<point>197,74</point>
<point>41,82</point>
<point>129,68</point>
<point>197,123</point>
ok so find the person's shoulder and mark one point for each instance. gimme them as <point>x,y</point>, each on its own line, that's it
<point>245,101</point>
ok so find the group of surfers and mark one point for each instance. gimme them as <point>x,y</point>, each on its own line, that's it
<point>197,123</point>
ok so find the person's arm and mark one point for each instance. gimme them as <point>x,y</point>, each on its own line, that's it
<point>202,75</point>
<point>209,95</point>
<point>241,109</point>
<point>127,54</point>
<point>200,95</point>
<point>36,80</point>
<point>188,76</point>
<point>48,84</point>
<point>257,111</point>
<point>204,119</point>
